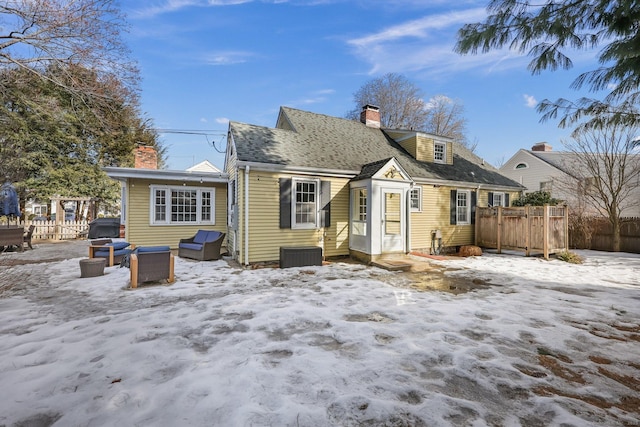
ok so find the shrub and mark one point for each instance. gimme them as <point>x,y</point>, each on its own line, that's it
<point>536,198</point>
<point>569,257</point>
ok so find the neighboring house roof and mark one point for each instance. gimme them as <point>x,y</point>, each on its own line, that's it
<point>558,159</point>
<point>320,142</point>
<point>567,162</point>
<point>204,166</point>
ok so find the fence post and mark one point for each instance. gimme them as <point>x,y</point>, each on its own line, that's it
<point>477,227</point>
<point>527,234</point>
<point>499,230</point>
<point>566,227</point>
<point>545,232</point>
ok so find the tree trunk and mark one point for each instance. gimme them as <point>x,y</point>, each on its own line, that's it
<point>615,227</point>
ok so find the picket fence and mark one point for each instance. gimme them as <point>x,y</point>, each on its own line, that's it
<point>52,230</point>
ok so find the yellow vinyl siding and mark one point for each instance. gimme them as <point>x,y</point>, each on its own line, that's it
<point>265,234</point>
<point>425,149</point>
<point>421,148</point>
<point>139,230</point>
<point>436,214</point>
<point>411,146</point>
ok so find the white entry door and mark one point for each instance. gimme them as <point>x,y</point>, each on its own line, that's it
<point>393,228</point>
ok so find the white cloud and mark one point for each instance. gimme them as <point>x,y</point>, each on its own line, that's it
<point>222,120</point>
<point>420,27</point>
<point>166,7</point>
<point>530,101</point>
<point>203,120</point>
<point>426,44</point>
<point>315,97</point>
<point>227,57</point>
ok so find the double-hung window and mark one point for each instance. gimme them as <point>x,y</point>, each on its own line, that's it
<point>498,199</point>
<point>415,198</point>
<point>463,207</point>
<point>439,152</point>
<point>182,205</point>
<point>304,212</point>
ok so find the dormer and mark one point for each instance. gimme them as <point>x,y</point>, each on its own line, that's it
<point>424,147</point>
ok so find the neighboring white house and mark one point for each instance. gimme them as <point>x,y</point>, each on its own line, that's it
<point>541,169</point>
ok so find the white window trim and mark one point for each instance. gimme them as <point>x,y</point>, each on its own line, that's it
<point>355,210</point>
<point>169,189</point>
<point>444,152</point>
<point>305,226</point>
<point>468,207</point>
<point>502,199</point>
<point>526,165</point>
<point>417,188</point>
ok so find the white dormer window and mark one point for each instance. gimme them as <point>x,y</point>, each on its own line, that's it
<point>439,152</point>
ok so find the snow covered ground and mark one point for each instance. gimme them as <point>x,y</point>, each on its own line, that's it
<point>546,343</point>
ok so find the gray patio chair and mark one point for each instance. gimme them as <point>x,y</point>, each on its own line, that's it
<point>204,245</point>
<point>151,264</point>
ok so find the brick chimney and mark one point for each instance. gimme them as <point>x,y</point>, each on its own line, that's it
<point>370,116</point>
<point>541,146</point>
<point>146,157</point>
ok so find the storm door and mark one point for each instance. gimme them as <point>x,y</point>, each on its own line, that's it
<point>393,228</point>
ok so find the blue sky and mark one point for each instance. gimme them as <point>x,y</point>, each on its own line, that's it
<point>204,63</point>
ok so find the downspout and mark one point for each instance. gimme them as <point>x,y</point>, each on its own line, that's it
<point>246,214</point>
<point>475,222</point>
<point>408,215</point>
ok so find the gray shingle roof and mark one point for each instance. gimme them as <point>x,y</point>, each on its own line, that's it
<point>323,142</point>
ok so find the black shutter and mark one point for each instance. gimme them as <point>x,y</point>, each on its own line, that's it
<point>490,199</point>
<point>285,202</point>
<point>473,207</point>
<point>453,218</point>
<point>325,203</point>
<point>506,199</point>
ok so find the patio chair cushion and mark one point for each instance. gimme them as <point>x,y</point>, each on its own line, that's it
<point>201,236</point>
<point>194,246</point>
<point>118,245</point>
<point>105,253</point>
<point>142,249</point>
<point>213,236</point>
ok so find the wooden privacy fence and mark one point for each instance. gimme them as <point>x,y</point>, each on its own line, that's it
<point>597,233</point>
<point>52,230</point>
<point>529,228</point>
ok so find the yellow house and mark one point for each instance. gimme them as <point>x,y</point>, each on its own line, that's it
<point>342,187</point>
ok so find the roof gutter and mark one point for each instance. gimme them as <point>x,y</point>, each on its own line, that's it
<point>123,174</point>
<point>446,183</point>
<point>302,170</point>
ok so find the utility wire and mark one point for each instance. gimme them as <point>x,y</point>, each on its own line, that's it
<point>203,132</point>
